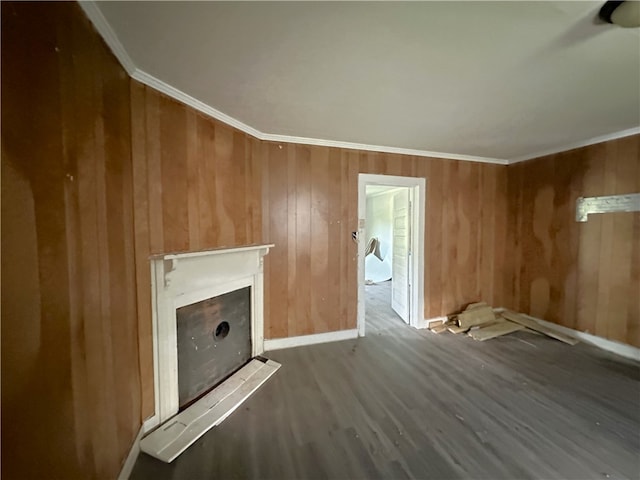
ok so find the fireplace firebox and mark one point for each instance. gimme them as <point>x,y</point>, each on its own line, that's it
<point>214,340</point>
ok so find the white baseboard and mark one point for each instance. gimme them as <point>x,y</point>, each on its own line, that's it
<point>427,321</point>
<point>622,349</point>
<point>290,342</point>
<point>148,425</point>
<point>127,468</point>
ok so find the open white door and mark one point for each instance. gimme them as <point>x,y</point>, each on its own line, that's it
<point>408,303</point>
<point>400,294</point>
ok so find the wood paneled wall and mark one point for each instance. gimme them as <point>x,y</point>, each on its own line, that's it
<point>70,376</point>
<point>197,185</point>
<point>581,275</point>
<point>310,209</point>
<point>99,172</point>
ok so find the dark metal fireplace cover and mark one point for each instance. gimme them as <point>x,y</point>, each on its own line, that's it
<point>214,340</point>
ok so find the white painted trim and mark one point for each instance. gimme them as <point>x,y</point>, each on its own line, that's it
<point>303,340</point>
<point>612,346</point>
<point>96,17</point>
<point>379,148</point>
<point>214,251</point>
<point>148,425</point>
<point>156,280</point>
<point>129,463</point>
<point>419,199</point>
<point>572,146</point>
<point>622,349</point>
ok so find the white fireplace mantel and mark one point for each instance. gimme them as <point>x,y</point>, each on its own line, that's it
<point>180,279</point>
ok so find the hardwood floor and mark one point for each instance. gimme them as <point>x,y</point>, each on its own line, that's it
<point>405,403</point>
<point>379,314</point>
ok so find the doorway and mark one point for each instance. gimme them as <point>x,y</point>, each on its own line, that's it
<point>391,246</point>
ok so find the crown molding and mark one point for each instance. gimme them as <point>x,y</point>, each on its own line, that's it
<point>101,24</point>
<point>96,17</point>
<point>380,148</point>
<point>583,143</point>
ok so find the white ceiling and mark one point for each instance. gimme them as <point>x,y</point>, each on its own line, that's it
<point>498,80</point>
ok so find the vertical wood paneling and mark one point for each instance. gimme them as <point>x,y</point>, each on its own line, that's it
<point>292,236</point>
<point>121,245</point>
<point>334,240</point>
<point>253,191</point>
<point>66,134</point>
<point>319,250</point>
<point>198,185</point>
<point>207,193</point>
<point>153,161</point>
<point>278,228</point>
<point>262,151</point>
<point>142,245</point>
<point>173,176</point>
<point>193,179</point>
<point>486,234</point>
<point>301,201</point>
<point>499,293</point>
<point>514,201</point>
<point>465,205</point>
<point>451,238</point>
<point>580,275</point>
<point>433,237</point>
<point>226,196</point>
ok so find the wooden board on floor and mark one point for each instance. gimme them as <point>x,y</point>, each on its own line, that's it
<point>476,316</point>
<point>496,330</point>
<point>439,329</point>
<point>471,306</point>
<point>533,325</point>
<point>455,329</point>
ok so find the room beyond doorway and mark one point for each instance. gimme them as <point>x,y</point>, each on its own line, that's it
<point>391,213</point>
<point>386,262</point>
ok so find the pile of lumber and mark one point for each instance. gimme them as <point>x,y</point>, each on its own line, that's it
<point>481,323</point>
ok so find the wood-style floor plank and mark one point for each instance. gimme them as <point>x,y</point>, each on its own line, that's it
<point>405,403</point>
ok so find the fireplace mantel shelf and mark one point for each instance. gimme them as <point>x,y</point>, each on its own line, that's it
<point>213,251</point>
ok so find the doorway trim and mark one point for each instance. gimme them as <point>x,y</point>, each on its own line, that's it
<point>417,194</point>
